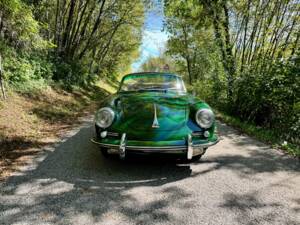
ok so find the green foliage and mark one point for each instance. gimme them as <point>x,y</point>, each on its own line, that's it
<point>25,72</point>
<point>270,99</point>
<point>159,64</point>
<point>71,42</point>
<point>23,69</point>
<point>243,58</point>
<point>71,73</point>
<point>100,36</point>
<point>19,27</point>
<point>30,87</point>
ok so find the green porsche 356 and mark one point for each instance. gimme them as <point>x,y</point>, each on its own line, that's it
<point>153,113</point>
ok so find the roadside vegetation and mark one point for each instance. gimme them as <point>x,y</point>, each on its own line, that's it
<point>57,60</point>
<point>243,57</point>
<point>70,42</point>
<point>31,121</point>
<point>269,136</point>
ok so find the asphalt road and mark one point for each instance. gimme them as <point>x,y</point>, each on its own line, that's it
<point>238,181</point>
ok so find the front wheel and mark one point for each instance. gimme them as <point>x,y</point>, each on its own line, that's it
<point>104,152</point>
<point>198,157</point>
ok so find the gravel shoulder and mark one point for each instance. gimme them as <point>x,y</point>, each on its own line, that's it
<point>238,181</point>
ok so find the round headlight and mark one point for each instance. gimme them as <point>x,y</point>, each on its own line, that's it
<point>205,118</point>
<point>104,117</point>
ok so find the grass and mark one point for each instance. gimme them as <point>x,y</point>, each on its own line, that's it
<point>265,135</point>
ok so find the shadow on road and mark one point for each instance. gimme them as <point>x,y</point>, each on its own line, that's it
<point>90,183</point>
<point>75,179</point>
<point>247,156</point>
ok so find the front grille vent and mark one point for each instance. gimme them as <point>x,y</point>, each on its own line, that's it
<point>112,134</point>
<point>197,134</point>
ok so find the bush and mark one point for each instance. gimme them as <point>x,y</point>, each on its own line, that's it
<point>212,90</point>
<point>25,72</point>
<point>71,73</point>
<point>271,99</point>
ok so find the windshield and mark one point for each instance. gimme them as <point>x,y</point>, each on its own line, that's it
<point>152,82</point>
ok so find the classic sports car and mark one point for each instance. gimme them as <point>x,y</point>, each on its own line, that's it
<point>152,112</point>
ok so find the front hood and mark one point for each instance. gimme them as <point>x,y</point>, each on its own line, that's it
<point>138,111</point>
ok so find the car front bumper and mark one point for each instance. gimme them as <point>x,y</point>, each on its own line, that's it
<point>190,148</point>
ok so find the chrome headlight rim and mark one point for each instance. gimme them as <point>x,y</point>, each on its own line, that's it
<point>200,123</point>
<point>98,113</point>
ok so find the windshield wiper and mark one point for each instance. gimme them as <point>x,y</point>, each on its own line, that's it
<point>145,90</point>
<point>148,89</point>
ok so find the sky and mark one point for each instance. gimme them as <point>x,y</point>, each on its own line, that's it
<point>154,39</point>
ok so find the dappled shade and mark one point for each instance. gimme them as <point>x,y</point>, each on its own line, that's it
<point>74,182</point>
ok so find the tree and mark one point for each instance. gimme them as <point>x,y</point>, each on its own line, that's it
<point>83,40</point>
<point>255,42</point>
<point>85,32</point>
<point>1,79</point>
<point>161,63</point>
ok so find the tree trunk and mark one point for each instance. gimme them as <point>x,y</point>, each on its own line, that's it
<point>95,28</point>
<point>187,56</point>
<point>230,60</point>
<point>1,23</point>
<point>56,22</point>
<point>224,43</point>
<point>245,36</point>
<point>68,27</point>
<point>295,46</point>
<point>1,79</point>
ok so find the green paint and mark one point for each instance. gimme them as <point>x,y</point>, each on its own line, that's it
<point>175,113</point>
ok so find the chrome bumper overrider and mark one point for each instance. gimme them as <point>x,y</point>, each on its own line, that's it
<point>191,149</point>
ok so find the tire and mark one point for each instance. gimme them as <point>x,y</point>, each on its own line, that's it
<point>198,157</point>
<point>104,152</point>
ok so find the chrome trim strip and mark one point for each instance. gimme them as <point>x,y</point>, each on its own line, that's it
<point>158,151</point>
<point>122,148</point>
<point>190,147</point>
<point>167,148</point>
<point>155,123</point>
<point>162,148</point>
